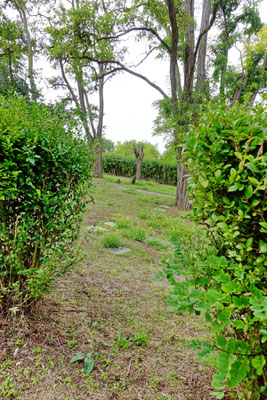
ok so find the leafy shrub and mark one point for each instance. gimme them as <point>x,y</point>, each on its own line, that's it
<point>111,241</point>
<point>154,170</point>
<point>44,174</point>
<point>227,281</point>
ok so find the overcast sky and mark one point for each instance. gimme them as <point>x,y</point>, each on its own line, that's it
<point>129,112</point>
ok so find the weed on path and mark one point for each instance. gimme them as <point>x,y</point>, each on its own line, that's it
<point>109,316</point>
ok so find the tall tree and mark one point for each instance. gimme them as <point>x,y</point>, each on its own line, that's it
<point>186,48</point>
<point>77,44</point>
<point>12,50</point>
<point>23,9</point>
<point>139,156</point>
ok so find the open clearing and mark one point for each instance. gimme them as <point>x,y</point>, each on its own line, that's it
<point>112,306</point>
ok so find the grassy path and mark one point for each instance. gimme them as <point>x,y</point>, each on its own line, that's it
<point>112,306</point>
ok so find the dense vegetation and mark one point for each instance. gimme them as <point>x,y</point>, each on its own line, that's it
<point>216,139</point>
<point>45,171</point>
<point>151,170</point>
<point>227,281</point>
<point>125,150</point>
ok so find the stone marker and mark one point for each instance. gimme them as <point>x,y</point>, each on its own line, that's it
<point>117,250</point>
<point>95,228</point>
<point>111,224</point>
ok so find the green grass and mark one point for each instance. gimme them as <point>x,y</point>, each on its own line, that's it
<point>135,234</point>
<point>123,223</point>
<point>144,215</point>
<point>143,185</point>
<point>111,241</point>
<point>156,244</point>
<point>113,306</point>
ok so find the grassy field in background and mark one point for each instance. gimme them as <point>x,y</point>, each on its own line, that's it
<point>112,307</point>
<point>143,185</point>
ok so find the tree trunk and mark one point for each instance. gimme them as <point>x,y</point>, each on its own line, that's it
<point>189,61</point>
<point>83,109</point>
<point>201,61</point>
<point>139,155</point>
<point>23,17</point>
<point>138,169</point>
<point>98,167</point>
<point>100,119</point>
<point>181,200</point>
<point>10,67</point>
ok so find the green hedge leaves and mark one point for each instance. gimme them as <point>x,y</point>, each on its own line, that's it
<point>151,170</point>
<point>45,169</point>
<point>226,277</point>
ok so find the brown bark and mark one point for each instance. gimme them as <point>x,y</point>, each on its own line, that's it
<point>21,6</point>
<point>97,167</point>
<point>139,155</point>
<point>98,133</point>
<point>201,61</point>
<point>181,199</point>
<point>189,50</point>
<point>10,67</point>
<point>100,119</point>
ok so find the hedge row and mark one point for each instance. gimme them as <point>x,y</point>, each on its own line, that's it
<point>45,169</point>
<point>151,170</point>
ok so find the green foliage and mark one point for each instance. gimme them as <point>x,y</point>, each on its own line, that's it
<point>156,244</point>
<point>89,362</point>
<point>151,170</point>
<point>136,234</point>
<point>13,50</point>
<point>140,339</point>
<point>123,342</point>
<point>125,150</point>
<point>226,280</point>
<point>107,145</point>
<point>44,174</point>
<point>123,223</point>
<point>169,156</point>
<point>111,241</point>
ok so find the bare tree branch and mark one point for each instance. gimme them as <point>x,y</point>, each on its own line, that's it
<point>123,67</point>
<point>151,30</point>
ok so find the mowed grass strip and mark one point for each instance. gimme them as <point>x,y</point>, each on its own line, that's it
<point>112,308</point>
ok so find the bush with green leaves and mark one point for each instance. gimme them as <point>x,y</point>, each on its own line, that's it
<point>45,170</point>
<point>226,279</point>
<point>151,170</point>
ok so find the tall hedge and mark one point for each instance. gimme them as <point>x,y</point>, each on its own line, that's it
<point>226,279</point>
<point>151,170</point>
<point>45,169</point>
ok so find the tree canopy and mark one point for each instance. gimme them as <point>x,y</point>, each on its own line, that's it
<point>125,150</point>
